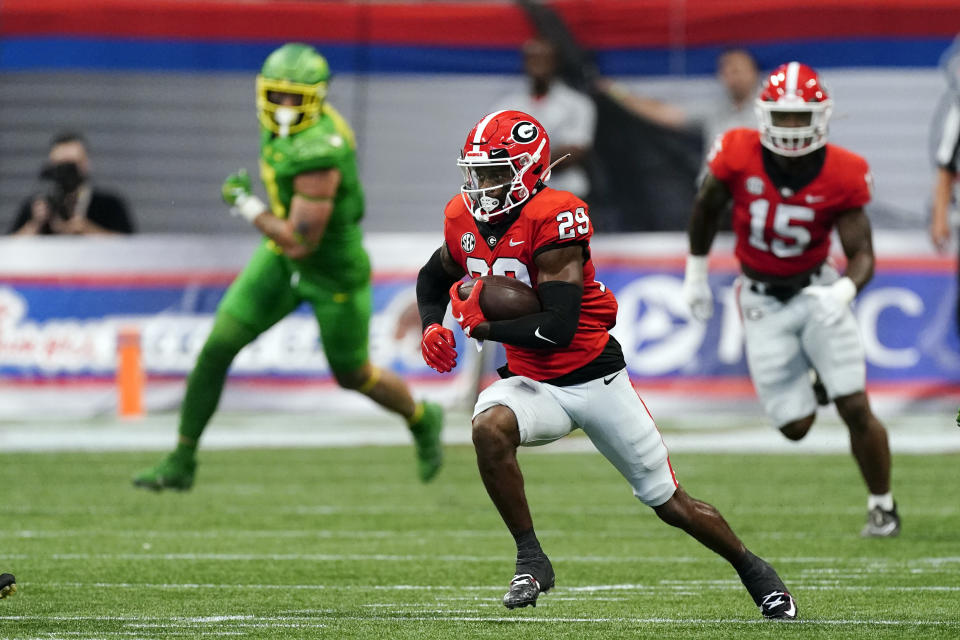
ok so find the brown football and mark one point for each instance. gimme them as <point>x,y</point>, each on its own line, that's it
<point>503,298</point>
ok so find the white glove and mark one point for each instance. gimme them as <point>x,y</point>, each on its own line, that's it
<point>248,207</point>
<point>237,191</point>
<point>696,289</point>
<point>832,300</point>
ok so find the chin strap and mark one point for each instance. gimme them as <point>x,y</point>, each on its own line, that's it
<point>546,174</point>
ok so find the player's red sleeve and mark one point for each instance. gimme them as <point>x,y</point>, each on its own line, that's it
<point>860,182</point>
<point>453,229</point>
<point>719,155</point>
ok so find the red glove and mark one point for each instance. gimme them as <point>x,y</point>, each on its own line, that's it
<point>438,347</point>
<point>467,312</point>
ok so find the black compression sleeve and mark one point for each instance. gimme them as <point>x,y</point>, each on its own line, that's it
<point>433,286</point>
<point>553,327</point>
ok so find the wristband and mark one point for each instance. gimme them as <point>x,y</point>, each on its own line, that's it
<point>696,268</point>
<point>248,207</point>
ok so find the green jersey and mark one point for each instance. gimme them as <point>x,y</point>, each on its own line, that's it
<point>339,262</point>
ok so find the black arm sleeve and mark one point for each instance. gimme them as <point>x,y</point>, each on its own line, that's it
<point>553,327</point>
<point>433,286</point>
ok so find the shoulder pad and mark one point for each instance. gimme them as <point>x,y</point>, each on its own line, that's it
<point>456,208</point>
<point>548,202</point>
<point>317,144</point>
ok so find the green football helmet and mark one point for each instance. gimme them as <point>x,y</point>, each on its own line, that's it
<point>292,70</point>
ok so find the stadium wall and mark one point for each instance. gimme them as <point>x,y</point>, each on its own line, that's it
<point>165,89</point>
<point>59,323</point>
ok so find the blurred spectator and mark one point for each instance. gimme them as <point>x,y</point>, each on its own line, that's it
<point>946,138</point>
<point>70,204</point>
<point>568,115</point>
<point>737,71</point>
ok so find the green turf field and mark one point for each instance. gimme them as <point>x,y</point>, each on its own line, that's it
<point>345,543</point>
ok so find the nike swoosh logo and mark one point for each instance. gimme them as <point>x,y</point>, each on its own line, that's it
<point>610,379</point>
<point>542,337</point>
<point>887,528</point>
<point>460,319</point>
<point>513,244</point>
<point>792,611</point>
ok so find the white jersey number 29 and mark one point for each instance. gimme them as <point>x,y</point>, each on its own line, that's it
<point>567,220</point>
<point>783,228</point>
<point>502,266</point>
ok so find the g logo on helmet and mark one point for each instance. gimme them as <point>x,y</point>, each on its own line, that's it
<point>525,131</point>
<point>468,242</point>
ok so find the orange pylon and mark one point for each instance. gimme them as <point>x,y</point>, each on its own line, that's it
<point>130,375</point>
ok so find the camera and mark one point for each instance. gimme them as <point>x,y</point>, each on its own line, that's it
<point>64,178</point>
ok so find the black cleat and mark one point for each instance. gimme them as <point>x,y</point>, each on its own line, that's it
<point>525,587</point>
<point>767,589</point>
<point>778,605</point>
<point>8,585</point>
<point>881,524</point>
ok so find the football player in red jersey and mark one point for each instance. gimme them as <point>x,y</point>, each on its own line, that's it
<point>789,190</point>
<point>564,370</point>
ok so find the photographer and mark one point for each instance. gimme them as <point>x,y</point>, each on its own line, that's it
<point>69,204</point>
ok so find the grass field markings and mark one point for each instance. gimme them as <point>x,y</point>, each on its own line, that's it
<point>358,557</point>
<point>871,563</point>
<point>293,622</point>
<point>366,534</point>
<point>672,586</point>
<point>85,635</point>
<point>262,586</point>
<point>657,620</point>
<point>265,533</point>
<point>628,509</point>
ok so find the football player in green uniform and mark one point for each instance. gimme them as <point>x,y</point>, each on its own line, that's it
<point>312,251</point>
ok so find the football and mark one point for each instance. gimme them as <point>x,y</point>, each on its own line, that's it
<point>503,298</point>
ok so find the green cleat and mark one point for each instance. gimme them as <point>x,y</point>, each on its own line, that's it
<point>8,585</point>
<point>173,472</point>
<point>426,437</point>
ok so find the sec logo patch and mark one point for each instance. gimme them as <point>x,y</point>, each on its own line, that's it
<point>468,242</point>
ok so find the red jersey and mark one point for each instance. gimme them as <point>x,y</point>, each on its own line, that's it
<point>550,218</point>
<point>781,233</point>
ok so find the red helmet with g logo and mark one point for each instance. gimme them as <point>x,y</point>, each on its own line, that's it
<point>791,92</point>
<point>504,157</point>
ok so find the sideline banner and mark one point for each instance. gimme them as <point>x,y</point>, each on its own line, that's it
<point>63,301</point>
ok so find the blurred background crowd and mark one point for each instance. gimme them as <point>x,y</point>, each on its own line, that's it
<point>162,93</point>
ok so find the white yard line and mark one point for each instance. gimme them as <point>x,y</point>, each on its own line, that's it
<point>389,534</point>
<point>596,588</point>
<point>301,622</point>
<point>354,557</point>
<point>628,507</point>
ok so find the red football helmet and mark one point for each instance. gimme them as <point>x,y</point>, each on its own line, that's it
<point>505,155</point>
<point>790,92</point>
